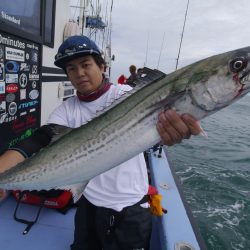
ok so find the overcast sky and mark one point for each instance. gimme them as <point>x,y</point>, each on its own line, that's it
<point>212,27</point>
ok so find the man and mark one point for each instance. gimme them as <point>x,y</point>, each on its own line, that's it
<point>113,213</point>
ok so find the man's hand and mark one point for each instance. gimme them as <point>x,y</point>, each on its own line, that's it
<point>9,159</point>
<point>173,128</point>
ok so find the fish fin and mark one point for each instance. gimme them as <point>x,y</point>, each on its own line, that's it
<point>149,76</point>
<point>58,131</point>
<point>76,190</point>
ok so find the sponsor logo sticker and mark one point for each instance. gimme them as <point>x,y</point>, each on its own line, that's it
<point>1,52</point>
<point>24,67</point>
<point>2,87</point>
<point>2,97</point>
<point>32,110</point>
<point>14,54</point>
<point>2,117</point>
<point>22,94</point>
<point>3,107</point>
<point>27,104</point>
<point>12,67</point>
<point>23,80</point>
<point>11,78</point>
<point>33,77</point>
<point>11,88</point>
<point>1,72</point>
<point>33,94</point>
<point>23,113</point>
<point>10,97</point>
<point>34,69</point>
<point>12,108</point>
<point>34,84</point>
<point>34,57</point>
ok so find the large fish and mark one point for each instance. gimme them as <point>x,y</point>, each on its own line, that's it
<point>128,126</point>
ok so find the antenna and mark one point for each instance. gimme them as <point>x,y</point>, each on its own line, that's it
<point>160,50</point>
<point>146,59</point>
<point>183,29</point>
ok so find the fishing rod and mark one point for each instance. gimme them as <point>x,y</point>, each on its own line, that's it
<point>146,59</point>
<point>160,51</point>
<point>183,29</point>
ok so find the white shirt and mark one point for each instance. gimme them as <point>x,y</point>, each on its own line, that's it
<point>121,186</point>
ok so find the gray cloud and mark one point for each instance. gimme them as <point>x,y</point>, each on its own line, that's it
<point>212,27</point>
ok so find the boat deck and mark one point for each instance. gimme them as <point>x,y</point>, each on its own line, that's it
<point>53,230</point>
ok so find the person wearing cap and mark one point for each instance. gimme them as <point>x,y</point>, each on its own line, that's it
<point>112,213</point>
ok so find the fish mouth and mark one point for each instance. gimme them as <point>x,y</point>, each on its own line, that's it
<point>243,81</point>
<point>244,89</point>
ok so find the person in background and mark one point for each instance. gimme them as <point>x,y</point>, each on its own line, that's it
<point>113,212</point>
<point>122,79</point>
<point>139,72</point>
<point>133,76</point>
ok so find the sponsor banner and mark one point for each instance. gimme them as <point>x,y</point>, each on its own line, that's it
<point>20,87</point>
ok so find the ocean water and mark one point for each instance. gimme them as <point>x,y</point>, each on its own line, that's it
<point>215,176</point>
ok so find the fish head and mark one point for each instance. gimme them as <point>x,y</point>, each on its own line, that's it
<point>239,66</point>
<point>221,80</point>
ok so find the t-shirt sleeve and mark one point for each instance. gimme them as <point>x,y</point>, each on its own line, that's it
<point>59,116</point>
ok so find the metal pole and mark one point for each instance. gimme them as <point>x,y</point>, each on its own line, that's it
<point>161,50</point>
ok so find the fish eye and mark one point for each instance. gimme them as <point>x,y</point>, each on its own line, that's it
<point>237,64</point>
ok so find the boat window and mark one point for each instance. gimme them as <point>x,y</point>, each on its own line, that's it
<point>23,15</point>
<point>49,22</point>
<point>29,19</point>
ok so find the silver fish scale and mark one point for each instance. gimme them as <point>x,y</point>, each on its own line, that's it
<point>130,124</point>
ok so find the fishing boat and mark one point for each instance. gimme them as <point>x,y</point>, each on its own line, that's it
<point>31,87</point>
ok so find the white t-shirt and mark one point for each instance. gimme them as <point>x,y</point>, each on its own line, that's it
<point>121,186</point>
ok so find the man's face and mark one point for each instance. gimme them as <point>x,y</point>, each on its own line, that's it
<point>85,75</point>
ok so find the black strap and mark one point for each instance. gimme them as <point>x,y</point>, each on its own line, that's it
<point>116,217</point>
<point>27,222</point>
<point>41,138</point>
